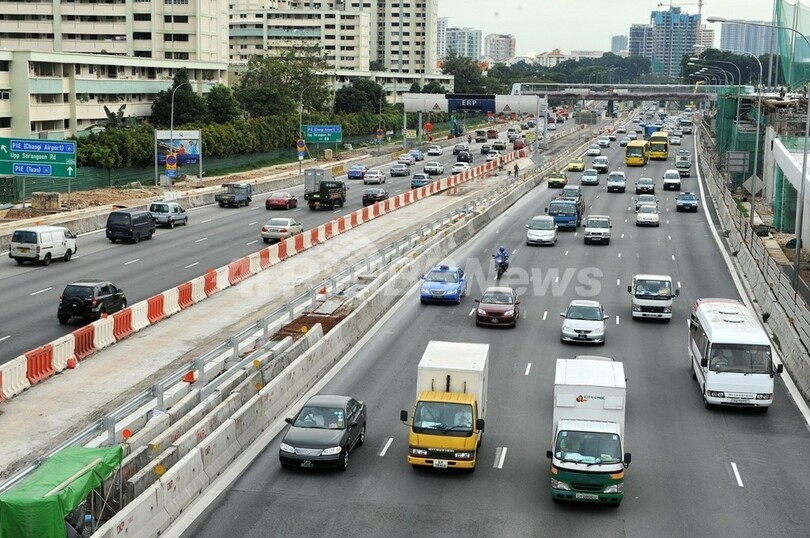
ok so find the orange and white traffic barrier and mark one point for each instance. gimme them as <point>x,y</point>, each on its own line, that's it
<point>84,342</point>
<point>198,289</point>
<point>63,351</point>
<point>154,309</point>
<point>222,278</point>
<point>13,375</point>
<point>210,282</point>
<point>238,271</point>
<point>103,332</point>
<point>140,315</point>
<point>254,262</point>
<point>184,297</point>
<point>122,324</point>
<point>39,364</point>
<point>171,302</point>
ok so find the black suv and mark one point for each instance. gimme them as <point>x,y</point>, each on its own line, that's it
<point>464,157</point>
<point>89,299</point>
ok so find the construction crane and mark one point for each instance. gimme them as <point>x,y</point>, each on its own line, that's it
<point>699,4</point>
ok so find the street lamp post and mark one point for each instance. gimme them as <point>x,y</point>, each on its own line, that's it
<point>301,122</point>
<point>726,74</point>
<point>171,124</point>
<point>800,204</point>
<point>739,84</point>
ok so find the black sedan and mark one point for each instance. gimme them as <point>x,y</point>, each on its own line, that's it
<point>371,196</point>
<point>323,433</point>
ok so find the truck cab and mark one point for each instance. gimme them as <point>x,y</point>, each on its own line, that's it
<point>480,135</point>
<point>234,195</point>
<point>683,163</point>
<point>447,424</point>
<point>652,296</point>
<point>321,190</point>
<point>566,213</point>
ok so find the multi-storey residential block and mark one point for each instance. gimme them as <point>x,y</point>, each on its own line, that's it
<point>499,47</point>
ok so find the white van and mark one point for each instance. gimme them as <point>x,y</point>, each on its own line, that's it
<point>730,355</point>
<point>652,296</point>
<point>42,244</point>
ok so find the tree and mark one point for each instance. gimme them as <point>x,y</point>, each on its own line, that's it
<point>415,88</point>
<point>274,85</point>
<point>363,95</point>
<point>434,86</point>
<point>116,120</point>
<point>189,107</point>
<point>222,105</point>
<point>466,73</point>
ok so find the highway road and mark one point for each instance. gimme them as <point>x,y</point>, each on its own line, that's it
<point>695,472</point>
<point>214,237</point>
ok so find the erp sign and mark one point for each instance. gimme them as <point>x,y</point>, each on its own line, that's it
<point>471,103</point>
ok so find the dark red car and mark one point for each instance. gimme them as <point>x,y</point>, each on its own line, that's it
<point>498,306</point>
<point>371,196</point>
<point>520,143</point>
<point>281,200</point>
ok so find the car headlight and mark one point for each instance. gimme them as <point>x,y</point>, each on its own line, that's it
<point>418,451</point>
<point>717,394</point>
<point>463,455</point>
<point>509,313</point>
<point>636,308</point>
<point>667,309</point>
<point>331,451</point>
<point>615,488</point>
<point>559,484</point>
<point>284,447</point>
<point>764,396</point>
<point>482,312</point>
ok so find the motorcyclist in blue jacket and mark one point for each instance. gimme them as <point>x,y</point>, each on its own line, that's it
<point>503,254</point>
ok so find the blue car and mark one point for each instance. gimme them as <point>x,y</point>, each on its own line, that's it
<point>686,201</point>
<point>444,284</point>
<point>420,180</point>
<point>417,154</point>
<point>358,171</point>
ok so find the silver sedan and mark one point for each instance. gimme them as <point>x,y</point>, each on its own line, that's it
<point>281,228</point>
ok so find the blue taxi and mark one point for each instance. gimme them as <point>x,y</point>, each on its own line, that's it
<point>686,201</point>
<point>443,283</point>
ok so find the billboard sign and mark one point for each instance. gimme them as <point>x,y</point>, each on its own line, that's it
<point>185,144</point>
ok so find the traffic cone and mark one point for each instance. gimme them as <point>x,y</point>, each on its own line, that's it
<point>190,377</point>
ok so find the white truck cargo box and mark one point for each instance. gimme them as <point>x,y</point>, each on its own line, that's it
<point>455,367</point>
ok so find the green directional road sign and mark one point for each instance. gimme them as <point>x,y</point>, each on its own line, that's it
<point>35,157</point>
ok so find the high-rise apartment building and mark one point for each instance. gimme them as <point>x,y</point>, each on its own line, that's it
<point>63,62</point>
<point>640,40</point>
<point>465,42</point>
<point>499,47</point>
<point>441,37</point>
<point>618,43</point>
<point>669,36</point>
<point>745,37</point>
<point>705,38</point>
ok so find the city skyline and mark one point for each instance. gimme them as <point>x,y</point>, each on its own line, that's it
<point>593,32</point>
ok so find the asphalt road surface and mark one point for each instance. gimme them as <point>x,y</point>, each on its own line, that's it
<point>214,237</point>
<point>695,472</point>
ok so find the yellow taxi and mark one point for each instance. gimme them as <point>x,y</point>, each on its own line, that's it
<point>557,180</point>
<point>576,165</point>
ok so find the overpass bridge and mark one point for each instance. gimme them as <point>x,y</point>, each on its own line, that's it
<point>638,92</point>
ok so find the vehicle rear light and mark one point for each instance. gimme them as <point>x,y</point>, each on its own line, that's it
<point>283,230</point>
<point>94,302</point>
<point>265,229</point>
<point>61,298</point>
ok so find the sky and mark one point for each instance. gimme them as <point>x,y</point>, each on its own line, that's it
<point>543,25</point>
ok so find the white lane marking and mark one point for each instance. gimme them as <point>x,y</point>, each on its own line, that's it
<point>496,231</point>
<point>204,221</point>
<point>386,445</point>
<point>471,312</point>
<point>255,208</point>
<point>497,457</point>
<point>499,462</point>
<point>673,257</point>
<point>252,242</point>
<point>620,254</point>
<point>528,368</point>
<point>679,284</point>
<point>617,320</point>
<point>5,338</point>
<point>255,222</point>
<point>336,211</point>
<point>136,260</point>
<point>40,291</point>
<point>618,282</point>
<point>566,253</point>
<point>296,209</point>
<point>622,236</point>
<point>201,240</point>
<point>514,251</point>
<point>545,315</point>
<point>576,233</point>
<point>666,221</point>
<point>625,220</point>
<point>192,265</point>
<point>737,474</point>
<point>669,237</point>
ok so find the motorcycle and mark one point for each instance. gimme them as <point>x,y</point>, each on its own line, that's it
<point>501,265</point>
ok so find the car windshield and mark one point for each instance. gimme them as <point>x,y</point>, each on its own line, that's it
<point>278,222</point>
<point>442,276</point>
<point>541,224</point>
<point>598,223</point>
<point>593,147</point>
<point>646,199</point>
<point>740,358</point>
<point>588,447</point>
<point>321,418</point>
<point>372,192</point>
<point>439,418</point>
<point>687,197</point>
<point>589,313</point>
<point>672,175</point>
<point>159,208</point>
<point>589,173</point>
<point>21,236</point>
<point>77,291</point>
<point>644,181</point>
<point>556,208</point>
<point>358,167</point>
<point>647,209</point>
<point>279,195</point>
<point>497,298</point>
<point>616,177</point>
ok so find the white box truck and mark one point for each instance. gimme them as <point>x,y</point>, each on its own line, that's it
<point>451,403</point>
<point>587,455</point>
<point>652,296</point>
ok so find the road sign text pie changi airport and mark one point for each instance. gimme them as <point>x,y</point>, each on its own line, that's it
<point>35,157</point>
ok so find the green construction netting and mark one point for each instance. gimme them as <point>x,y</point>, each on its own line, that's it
<point>791,45</point>
<point>38,505</point>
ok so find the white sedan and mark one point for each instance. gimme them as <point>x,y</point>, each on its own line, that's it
<point>493,155</point>
<point>647,215</point>
<point>281,228</point>
<point>460,167</point>
<point>406,158</point>
<point>435,150</point>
